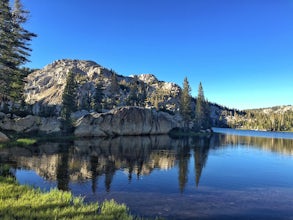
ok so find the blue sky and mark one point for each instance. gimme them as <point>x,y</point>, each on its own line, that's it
<point>241,50</point>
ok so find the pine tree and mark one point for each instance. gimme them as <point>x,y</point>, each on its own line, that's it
<point>68,102</point>
<point>185,102</point>
<point>98,98</point>
<point>202,111</point>
<point>114,83</point>
<point>7,66</point>
<point>142,94</point>
<point>133,94</point>
<point>14,49</point>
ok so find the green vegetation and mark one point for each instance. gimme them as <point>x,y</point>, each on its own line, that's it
<point>26,141</point>
<point>14,52</point>
<point>185,103</point>
<point>133,98</point>
<point>23,202</point>
<point>273,120</point>
<point>69,104</point>
<point>202,111</point>
<point>158,97</point>
<point>97,99</point>
<point>200,116</point>
<point>20,142</point>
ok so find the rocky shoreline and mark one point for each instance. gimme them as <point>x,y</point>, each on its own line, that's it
<point>123,121</point>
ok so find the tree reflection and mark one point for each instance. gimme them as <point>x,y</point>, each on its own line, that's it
<point>278,145</point>
<point>183,161</point>
<point>136,156</point>
<point>201,151</point>
<point>109,173</point>
<point>62,167</point>
<point>94,161</point>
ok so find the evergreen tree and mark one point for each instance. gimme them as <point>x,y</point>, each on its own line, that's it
<point>142,94</point>
<point>202,111</point>
<point>98,98</point>
<point>154,99</point>
<point>133,94</point>
<point>185,102</point>
<point>7,66</point>
<point>14,49</point>
<point>68,102</point>
<point>114,84</point>
<point>114,89</point>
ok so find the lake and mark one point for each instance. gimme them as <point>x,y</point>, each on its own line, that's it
<point>233,174</point>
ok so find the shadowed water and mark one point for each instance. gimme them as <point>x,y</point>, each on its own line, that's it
<point>224,176</point>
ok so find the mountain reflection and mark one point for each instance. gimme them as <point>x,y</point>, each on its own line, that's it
<point>278,145</point>
<point>90,159</point>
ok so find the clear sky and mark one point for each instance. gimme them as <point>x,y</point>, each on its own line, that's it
<point>241,50</point>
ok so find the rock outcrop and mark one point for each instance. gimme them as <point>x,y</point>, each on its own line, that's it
<point>126,121</point>
<point>45,87</point>
<point>121,121</point>
<point>30,124</point>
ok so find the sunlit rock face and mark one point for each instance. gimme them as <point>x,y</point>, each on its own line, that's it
<point>46,86</point>
<point>126,121</point>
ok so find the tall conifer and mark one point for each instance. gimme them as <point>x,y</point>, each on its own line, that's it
<point>185,102</point>
<point>98,97</point>
<point>14,49</point>
<point>68,102</point>
<point>202,111</point>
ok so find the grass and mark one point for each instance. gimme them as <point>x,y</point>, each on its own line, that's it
<point>24,202</point>
<point>26,141</point>
<point>20,142</point>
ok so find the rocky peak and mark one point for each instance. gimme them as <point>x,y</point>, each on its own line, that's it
<point>148,78</point>
<point>45,87</point>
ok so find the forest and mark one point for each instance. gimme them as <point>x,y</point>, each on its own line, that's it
<point>273,119</point>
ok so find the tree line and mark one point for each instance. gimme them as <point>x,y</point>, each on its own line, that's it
<point>259,120</point>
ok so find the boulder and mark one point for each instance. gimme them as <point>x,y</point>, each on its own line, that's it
<point>3,137</point>
<point>126,121</point>
<point>30,123</point>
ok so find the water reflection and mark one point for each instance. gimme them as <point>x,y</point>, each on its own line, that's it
<point>278,145</point>
<point>86,159</point>
<point>201,151</point>
<point>92,158</point>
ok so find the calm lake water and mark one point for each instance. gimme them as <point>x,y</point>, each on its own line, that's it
<point>231,175</point>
